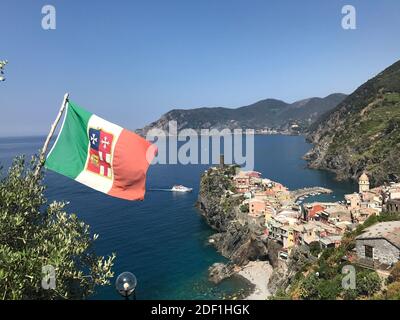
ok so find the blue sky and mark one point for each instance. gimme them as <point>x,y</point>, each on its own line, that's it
<point>131,61</point>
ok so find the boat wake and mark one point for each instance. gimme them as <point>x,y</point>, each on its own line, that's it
<point>176,188</point>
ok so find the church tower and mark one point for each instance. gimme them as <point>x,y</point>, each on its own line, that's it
<point>363,183</point>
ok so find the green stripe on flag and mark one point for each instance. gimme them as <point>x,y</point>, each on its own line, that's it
<point>69,153</point>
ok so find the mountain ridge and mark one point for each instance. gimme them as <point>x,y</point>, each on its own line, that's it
<point>267,113</point>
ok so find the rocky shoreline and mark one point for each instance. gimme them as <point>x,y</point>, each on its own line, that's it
<point>237,237</point>
<point>259,274</point>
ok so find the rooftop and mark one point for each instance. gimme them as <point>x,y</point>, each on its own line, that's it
<point>389,230</point>
<point>393,201</point>
<point>331,239</point>
<point>363,177</point>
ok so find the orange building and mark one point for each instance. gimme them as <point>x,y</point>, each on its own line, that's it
<point>256,207</point>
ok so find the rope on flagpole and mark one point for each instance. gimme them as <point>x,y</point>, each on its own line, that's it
<point>52,129</point>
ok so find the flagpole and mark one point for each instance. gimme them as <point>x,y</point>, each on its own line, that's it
<point>52,129</point>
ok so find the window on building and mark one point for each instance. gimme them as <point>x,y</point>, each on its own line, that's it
<point>369,252</point>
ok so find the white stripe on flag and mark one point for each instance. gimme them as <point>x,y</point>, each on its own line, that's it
<point>91,179</point>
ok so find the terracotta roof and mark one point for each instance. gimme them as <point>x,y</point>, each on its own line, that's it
<point>315,209</point>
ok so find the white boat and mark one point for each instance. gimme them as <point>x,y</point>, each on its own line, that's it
<point>180,188</point>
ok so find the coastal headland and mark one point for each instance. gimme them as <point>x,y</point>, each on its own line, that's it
<point>269,233</point>
<point>240,229</point>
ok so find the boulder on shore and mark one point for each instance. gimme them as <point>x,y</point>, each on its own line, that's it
<point>219,271</point>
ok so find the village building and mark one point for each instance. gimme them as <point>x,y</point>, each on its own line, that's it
<point>353,201</point>
<point>330,242</point>
<point>256,207</point>
<point>390,192</point>
<point>379,244</point>
<point>289,213</point>
<point>363,214</point>
<point>372,199</point>
<point>269,213</point>
<point>316,230</point>
<point>242,182</point>
<point>310,234</point>
<point>291,237</point>
<point>365,203</point>
<point>337,214</point>
<point>263,195</point>
<point>363,183</point>
<point>394,193</point>
<point>246,181</point>
<point>311,210</point>
<point>344,226</point>
<point>328,212</point>
<point>277,228</point>
<point>393,206</point>
<point>267,182</point>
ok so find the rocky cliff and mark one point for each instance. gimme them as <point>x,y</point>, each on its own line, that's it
<point>238,238</point>
<point>362,133</point>
<point>285,271</point>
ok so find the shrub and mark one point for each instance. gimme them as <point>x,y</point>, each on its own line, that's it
<point>393,291</point>
<point>395,273</point>
<point>309,287</point>
<point>367,283</point>
<point>35,234</point>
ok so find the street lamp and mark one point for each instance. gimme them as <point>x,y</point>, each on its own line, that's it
<point>126,284</point>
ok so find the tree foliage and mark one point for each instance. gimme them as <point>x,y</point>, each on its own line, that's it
<point>244,208</point>
<point>35,233</point>
<point>367,283</point>
<point>309,287</point>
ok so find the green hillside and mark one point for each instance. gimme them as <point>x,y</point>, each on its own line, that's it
<point>362,133</point>
<point>268,113</point>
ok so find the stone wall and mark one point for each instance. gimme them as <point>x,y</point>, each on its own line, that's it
<point>384,251</point>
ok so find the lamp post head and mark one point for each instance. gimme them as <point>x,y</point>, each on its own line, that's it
<point>126,284</point>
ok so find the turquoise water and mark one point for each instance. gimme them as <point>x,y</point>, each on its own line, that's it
<point>163,240</point>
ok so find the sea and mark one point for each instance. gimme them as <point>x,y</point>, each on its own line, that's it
<point>163,240</point>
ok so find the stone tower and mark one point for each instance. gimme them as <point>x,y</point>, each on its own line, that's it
<point>363,183</point>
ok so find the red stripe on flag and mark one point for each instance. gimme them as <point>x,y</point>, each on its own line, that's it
<point>132,157</point>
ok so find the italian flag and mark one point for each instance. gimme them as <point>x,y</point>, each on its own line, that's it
<point>101,155</point>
